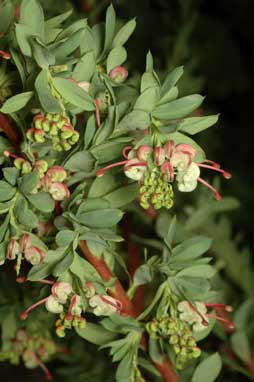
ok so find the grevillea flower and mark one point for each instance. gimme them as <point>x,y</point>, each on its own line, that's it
<point>118,74</point>
<point>34,255</point>
<point>13,249</point>
<point>75,307</point>
<point>53,305</point>
<point>104,305</point>
<point>59,191</point>
<point>197,315</point>
<point>61,291</point>
<point>57,174</point>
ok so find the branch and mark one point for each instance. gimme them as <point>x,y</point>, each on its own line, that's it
<point>118,292</point>
<point>11,132</point>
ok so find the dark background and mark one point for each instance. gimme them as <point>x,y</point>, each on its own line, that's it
<point>213,39</point>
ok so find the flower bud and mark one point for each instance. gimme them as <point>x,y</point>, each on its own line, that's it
<point>22,165</point>
<point>85,85</point>
<point>66,131</point>
<point>13,249</point>
<point>57,174</point>
<point>187,149</point>
<point>169,148</point>
<point>45,125</point>
<point>44,229</point>
<point>159,155</point>
<point>143,152</point>
<point>25,242</point>
<point>41,165</point>
<point>34,255</point>
<point>104,305</point>
<point>90,292</point>
<point>53,305</point>
<point>59,191</point>
<point>74,138</point>
<point>29,359</point>
<point>60,331</point>
<point>118,74</point>
<point>61,291</point>
<point>65,145</point>
<point>38,135</point>
<point>75,308</point>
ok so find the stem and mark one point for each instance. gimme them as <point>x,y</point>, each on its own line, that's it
<point>24,315</point>
<point>48,375</point>
<point>10,130</point>
<point>166,369</point>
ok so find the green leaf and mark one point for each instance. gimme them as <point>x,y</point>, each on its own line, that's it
<point>96,334</point>
<point>194,125</point>
<point>11,174</point>
<point>4,227</point>
<point>6,191</point>
<point>80,161</point>
<point>116,57</point>
<point>178,108</point>
<point>147,100</point>
<point>101,218</point>
<point>40,271</point>
<point>31,14</point>
<point>26,216</point>
<point>64,264</point>
<point>48,102</point>
<point>42,201</point>
<point>65,48</point>
<point>109,27</point>
<point>57,20</point>
<point>203,270</point>
<point>16,102</point>
<point>110,150</point>
<point>208,370</point>
<point>125,368</point>
<point>124,33</point>
<point>135,120</point>
<point>7,14</point>
<point>29,182</point>
<point>191,249</point>
<point>171,80</point>
<point>72,93</point>
<point>17,61</point>
<point>240,345</point>
<point>41,54</point>
<point>84,270</point>
<point>123,196</point>
<point>171,95</point>
<point>142,275</point>
<point>85,68</point>
<point>102,185</point>
<point>65,237</point>
<point>171,233</point>
<point>23,34</point>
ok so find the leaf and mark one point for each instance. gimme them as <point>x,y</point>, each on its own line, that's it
<point>7,14</point>
<point>65,237</point>
<point>109,27</point>
<point>6,191</point>
<point>191,249</point>
<point>142,275</point>
<point>23,34</point>
<point>181,138</point>
<point>63,265</point>
<point>57,20</point>
<point>72,93</point>
<point>240,345</point>
<point>96,334</point>
<point>84,270</point>
<point>124,372</point>
<point>123,196</point>
<point>29,182</point>
<point>42,201</point>
<point>208,370</point>
<point>135,120</point>
<point>101,218</point>
<point>171,80</point>
<point>41,54</point>
<point>48,102</point>
<point>26,217</point>
<point>80,161</point>
<point>102,185</point>
<point>16,102</point>
<point>65,48</point>
<point>31,14</point>
<point>171,95</point>
<point>4,227</point>
<point>116,57</point>
<point>17,61</point>
<point>194,125</point>
<point>203,270</point>
<point>85,68</point>
<point>11,174</point>
<point>171,233</point>
<point>147,100</point>
<point>110,150</point>
<point>124,33</point>
<point>178,108</point>
<point>40,271</point>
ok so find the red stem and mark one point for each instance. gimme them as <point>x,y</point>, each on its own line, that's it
<point>166,369</point>
<point>10,131</point>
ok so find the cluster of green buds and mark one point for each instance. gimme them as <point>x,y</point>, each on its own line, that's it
<point>23,248</point>
<point>34,350</point>
<point>179,337</point>
<point>55,127</point>
<point>156,190</point>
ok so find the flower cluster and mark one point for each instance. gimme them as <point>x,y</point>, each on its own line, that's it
<point>156,168</point>
<point>33,350</point>
<point>179,336</point>
<point>52,181</point>
<point>23,248</point>
<point>56,127</point>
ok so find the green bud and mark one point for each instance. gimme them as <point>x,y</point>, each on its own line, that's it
<point>173,339</point>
